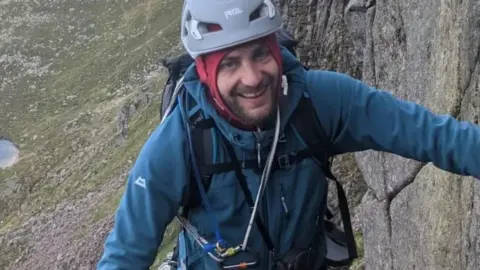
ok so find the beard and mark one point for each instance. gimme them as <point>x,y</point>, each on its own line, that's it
<point>238,101</point>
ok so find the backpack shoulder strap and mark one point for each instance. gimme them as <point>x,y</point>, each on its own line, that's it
<point>202,140</point>
<point>308,126</point>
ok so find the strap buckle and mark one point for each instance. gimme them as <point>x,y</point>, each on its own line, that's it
<point>286,160</point>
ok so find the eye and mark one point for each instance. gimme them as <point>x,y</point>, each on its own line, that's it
<point>261,53</point>
<point>228,65</point>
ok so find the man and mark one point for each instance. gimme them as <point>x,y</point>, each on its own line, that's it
<point>237,80</point>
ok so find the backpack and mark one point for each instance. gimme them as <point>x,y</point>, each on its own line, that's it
<point>341,246</point>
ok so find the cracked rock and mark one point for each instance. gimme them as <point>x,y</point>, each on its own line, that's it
<point>414,215</point>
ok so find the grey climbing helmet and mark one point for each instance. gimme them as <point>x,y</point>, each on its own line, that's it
<point>239,21</point>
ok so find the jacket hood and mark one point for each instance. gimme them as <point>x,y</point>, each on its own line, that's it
<point>292,69</point>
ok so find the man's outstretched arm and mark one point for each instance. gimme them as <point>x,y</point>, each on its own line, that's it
<point>151,198</point>
<point>358,117</point>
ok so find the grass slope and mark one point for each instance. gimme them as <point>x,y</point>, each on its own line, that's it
<point>68,66</point>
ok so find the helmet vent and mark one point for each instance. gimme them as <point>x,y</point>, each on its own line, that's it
<point>213,27</point>
<point>260,12</point>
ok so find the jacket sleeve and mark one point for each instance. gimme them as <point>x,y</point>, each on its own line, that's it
<point>151,198</point>
<point>358,117</point>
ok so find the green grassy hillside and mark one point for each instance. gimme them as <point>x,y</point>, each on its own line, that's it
<point>70,71</point>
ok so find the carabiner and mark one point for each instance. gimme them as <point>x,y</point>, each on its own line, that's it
<point>230,252</point>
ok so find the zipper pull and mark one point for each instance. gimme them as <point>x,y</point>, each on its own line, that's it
<point>259,147</point>
<point>284,202</point>
<point>285,85</point>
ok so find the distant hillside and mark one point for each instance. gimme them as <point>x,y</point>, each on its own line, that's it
<point>79,85</point>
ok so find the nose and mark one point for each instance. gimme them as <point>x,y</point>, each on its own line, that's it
<point>252,75</point>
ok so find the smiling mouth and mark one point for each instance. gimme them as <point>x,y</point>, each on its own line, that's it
<point>254,94</point>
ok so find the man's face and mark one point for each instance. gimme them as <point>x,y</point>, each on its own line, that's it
<point>248,82</point>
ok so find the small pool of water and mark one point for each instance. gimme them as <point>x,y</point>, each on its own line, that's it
<point>8,153</point>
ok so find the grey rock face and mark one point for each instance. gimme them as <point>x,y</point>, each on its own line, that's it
<point>414,216</point>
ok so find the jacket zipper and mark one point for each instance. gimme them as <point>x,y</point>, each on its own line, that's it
<point>265,202</point>
<point>259,156</point>
<point>265,219</point>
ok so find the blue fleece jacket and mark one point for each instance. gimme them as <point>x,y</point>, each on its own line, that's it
<point>355,117</point>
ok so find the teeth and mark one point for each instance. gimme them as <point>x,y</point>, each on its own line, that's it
<point>253,95</point>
